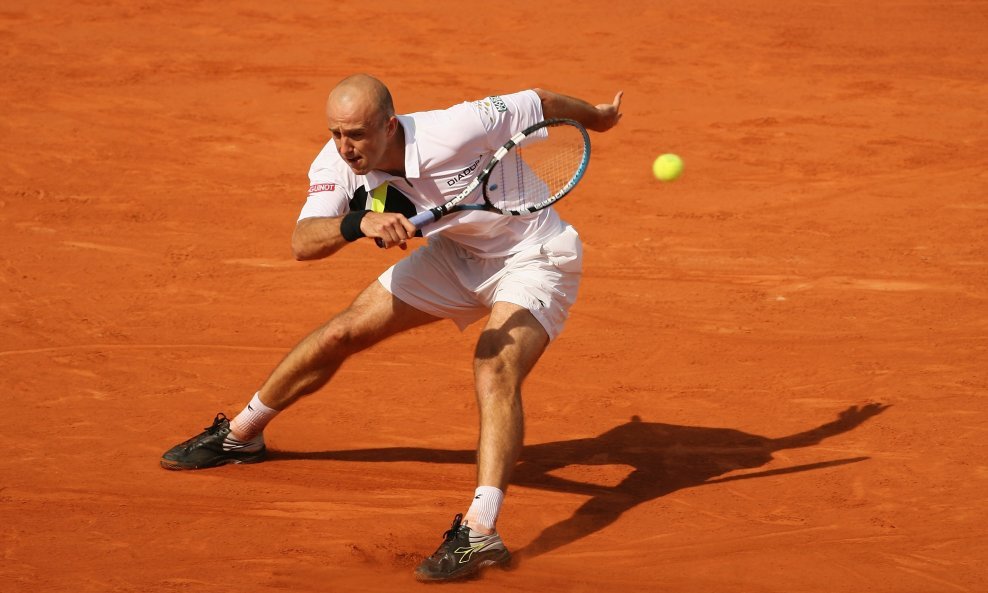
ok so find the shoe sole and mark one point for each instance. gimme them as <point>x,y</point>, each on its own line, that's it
<point>501,562</point>
<point>178,465</point>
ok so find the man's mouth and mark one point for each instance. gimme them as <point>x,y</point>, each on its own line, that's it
<point>356,163</point>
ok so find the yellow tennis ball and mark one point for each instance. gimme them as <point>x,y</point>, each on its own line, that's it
<point>667,167</point>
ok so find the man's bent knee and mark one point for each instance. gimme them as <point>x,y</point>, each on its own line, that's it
<point>493,368</point>
<point>336,337</point>
<point>346,333</point>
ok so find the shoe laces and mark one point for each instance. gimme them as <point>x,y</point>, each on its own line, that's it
<point>217,423</point>
<point>209,430</point>
<point>454,529</point>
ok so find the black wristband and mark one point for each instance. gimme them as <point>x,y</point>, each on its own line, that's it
<point>350,225</point>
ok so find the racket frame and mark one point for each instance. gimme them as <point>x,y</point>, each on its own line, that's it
<point>454,204</point>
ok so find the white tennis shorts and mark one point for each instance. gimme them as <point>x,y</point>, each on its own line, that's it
<point>445,280</point>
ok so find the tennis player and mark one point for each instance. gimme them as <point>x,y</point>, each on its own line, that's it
<point>521,272</point>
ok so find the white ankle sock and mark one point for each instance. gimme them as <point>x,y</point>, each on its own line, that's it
<point>250,422</point>
<point>485,507</point>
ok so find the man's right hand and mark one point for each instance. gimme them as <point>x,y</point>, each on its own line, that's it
<point>391,228</point>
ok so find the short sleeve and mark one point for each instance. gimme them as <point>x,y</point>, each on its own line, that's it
<point>330,186</point>
<point>503,116</point>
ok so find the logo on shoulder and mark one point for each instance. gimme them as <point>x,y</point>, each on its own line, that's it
<point>499,104</point>
<point>486,108</point>
<point>314,189</point>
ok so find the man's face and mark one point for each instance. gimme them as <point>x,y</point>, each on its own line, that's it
<point>361,134</point>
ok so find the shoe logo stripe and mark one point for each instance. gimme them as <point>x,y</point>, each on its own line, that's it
<point>467,553</point>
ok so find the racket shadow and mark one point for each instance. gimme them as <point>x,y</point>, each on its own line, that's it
<point>664,457</point>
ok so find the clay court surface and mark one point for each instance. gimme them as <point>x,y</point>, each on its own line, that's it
<point>773,380</point>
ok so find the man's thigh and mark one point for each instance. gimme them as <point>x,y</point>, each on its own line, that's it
<point>376,314</point>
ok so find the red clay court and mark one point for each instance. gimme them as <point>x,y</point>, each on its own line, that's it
<point>774,379</point>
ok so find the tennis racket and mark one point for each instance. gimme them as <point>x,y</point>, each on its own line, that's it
<point>533,170</point>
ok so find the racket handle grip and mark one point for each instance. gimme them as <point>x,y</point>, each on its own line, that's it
<point>420,219</point>
<point>423,218</point>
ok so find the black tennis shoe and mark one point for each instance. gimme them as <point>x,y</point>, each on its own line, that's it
<point>463,554</point>
<point>213,447</point>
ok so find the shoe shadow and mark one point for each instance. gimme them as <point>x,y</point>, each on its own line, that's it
<point>665,458</point>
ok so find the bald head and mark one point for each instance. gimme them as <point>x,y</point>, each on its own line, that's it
<point>361,95</point>
<point>361,117</point>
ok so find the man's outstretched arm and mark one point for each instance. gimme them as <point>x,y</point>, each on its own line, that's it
<point>598,118</point>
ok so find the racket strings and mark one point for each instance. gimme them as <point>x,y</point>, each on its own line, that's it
<point>541,169</point>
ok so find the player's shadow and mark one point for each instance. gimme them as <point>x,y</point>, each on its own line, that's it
<point>665,458</point>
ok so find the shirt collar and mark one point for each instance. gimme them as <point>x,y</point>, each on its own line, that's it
<point>375,178</point>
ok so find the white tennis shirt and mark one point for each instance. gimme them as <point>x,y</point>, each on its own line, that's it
<point>444,151</point>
